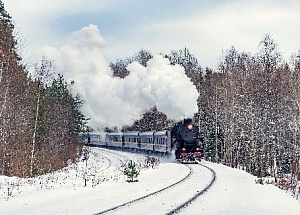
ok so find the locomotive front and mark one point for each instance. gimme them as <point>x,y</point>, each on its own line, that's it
<point>187,142</point>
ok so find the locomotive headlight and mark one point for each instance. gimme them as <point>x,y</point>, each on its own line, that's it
<point>183,149</point>
<point>190,127</point>
<point>198,149</point>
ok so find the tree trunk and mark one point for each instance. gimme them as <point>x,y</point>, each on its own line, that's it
<point>34,132</point>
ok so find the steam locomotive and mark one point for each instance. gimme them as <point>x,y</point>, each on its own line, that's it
<point>184,136</point>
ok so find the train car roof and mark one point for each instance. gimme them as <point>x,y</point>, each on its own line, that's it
<point>147,133</point>
<point>114,134</point>
<point>160,133</point>
<point>132,133</point>
<point>137,133</point>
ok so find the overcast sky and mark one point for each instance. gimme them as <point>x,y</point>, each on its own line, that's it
<point>206,27</point>
<point>83,36</point>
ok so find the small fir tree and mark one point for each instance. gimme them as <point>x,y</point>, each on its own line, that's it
<point>131,172</point>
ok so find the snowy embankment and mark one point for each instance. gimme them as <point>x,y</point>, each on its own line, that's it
<point>63,192</point>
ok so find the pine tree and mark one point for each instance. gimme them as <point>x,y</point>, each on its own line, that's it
<point>131,172</point>
<point>3,13</point>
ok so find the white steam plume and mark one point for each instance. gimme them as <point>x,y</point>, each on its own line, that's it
<point>113,101</point>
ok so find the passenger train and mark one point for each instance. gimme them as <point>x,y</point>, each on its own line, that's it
<point>183,138</point>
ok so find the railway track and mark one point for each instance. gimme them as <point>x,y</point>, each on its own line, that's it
<point>97,174</point>
<point>146,196</point>
<point>198,194</point>
<point>153,199</point>
<point>111,154</point>
<point>99,158</point>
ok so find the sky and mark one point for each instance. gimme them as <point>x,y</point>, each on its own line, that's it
<point>83,37</point>
<point>62,192</point>
<point>206,27</point>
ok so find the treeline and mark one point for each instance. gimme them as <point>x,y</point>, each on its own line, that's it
<point>151,120</point>
<point>249,108</point>
<point>39,118</point>
<point>249,111</point>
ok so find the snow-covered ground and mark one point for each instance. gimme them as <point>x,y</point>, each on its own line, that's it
<point>63,192</point>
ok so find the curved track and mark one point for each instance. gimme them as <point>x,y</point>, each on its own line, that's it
<point>109,162</point>
<point>199,193</point>
<point>98,158</point>
<point>184,191</point>
<point>110,154</point>
<point>146,196</point>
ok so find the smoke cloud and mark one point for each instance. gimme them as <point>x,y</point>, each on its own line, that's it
<point>113,101</point>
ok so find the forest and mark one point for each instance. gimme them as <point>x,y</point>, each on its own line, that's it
<point>39,118</point>
<point>248,110</point>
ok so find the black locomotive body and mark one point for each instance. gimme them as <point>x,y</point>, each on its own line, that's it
<point>185,137</point>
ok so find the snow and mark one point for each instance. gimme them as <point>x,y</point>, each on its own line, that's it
<point>63,192</point>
